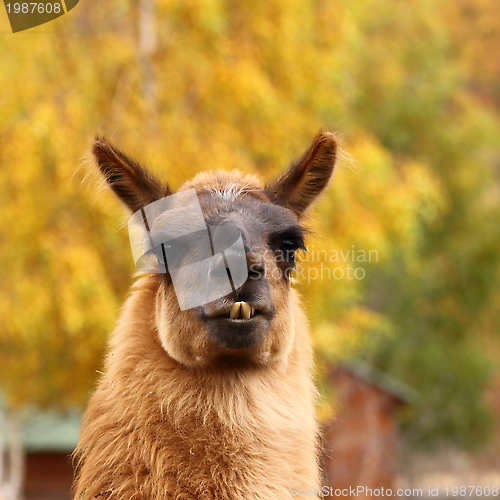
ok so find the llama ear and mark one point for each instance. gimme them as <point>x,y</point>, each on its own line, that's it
<point>133,185</point>
<point>302,183</point>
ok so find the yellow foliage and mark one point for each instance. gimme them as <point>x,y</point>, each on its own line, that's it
<point>235,85</point>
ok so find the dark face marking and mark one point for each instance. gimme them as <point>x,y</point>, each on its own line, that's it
<point>271,235</point>
<point>268,220</point>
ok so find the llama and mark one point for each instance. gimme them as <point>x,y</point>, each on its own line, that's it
<point>217,401</point>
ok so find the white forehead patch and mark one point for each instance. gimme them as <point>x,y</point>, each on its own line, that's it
<point>231,191</point>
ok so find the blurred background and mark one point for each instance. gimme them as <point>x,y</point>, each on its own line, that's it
<point>402,275</point>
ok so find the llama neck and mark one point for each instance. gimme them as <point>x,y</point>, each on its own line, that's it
<point>234,398</point>
<point>242,435</point>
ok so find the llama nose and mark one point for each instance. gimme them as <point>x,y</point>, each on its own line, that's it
<point>232,263</point>
<point>229,260</point>
<point>237,265</point>
<point>256,266</point>
<point>218,266</point>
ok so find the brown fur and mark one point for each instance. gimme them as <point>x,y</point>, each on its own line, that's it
<point>178,415</point>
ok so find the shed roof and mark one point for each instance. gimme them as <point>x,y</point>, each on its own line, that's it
<point>51,431</point>
<point>382,381</point>
<point>46,430</point>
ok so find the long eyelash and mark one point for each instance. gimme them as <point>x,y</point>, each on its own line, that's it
<point>302,245</point>
<point>295,233</point>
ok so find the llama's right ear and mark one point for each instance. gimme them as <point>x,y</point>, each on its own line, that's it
<point>304,181</point>
<point>133,184</point>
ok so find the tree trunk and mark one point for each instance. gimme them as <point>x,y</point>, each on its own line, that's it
<point>11,456</point>
<point>146,48</point>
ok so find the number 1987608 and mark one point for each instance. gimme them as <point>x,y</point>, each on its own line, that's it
<point>34,8</point>
<point>472,491</point>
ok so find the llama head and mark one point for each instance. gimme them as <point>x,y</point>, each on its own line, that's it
<point>255,322</point>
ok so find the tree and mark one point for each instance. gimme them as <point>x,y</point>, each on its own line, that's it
<point>245,85</point>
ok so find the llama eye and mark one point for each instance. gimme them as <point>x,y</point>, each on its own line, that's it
<point>289,246</point>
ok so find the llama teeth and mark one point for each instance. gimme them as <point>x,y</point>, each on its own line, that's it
<point>246,310</point>
<point>235,310</point>
<point>241,310</point>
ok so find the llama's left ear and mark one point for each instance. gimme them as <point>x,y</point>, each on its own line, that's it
<point>131,183</point>
<point>302,183</point>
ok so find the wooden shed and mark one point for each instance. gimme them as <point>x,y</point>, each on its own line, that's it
<point>361,443</point>
<point>48,438</point>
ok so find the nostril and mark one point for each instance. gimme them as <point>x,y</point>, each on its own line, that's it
<point>220,272</point>
<point>217,269</point>
<point>256,266</point>
<point>255,274</point>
